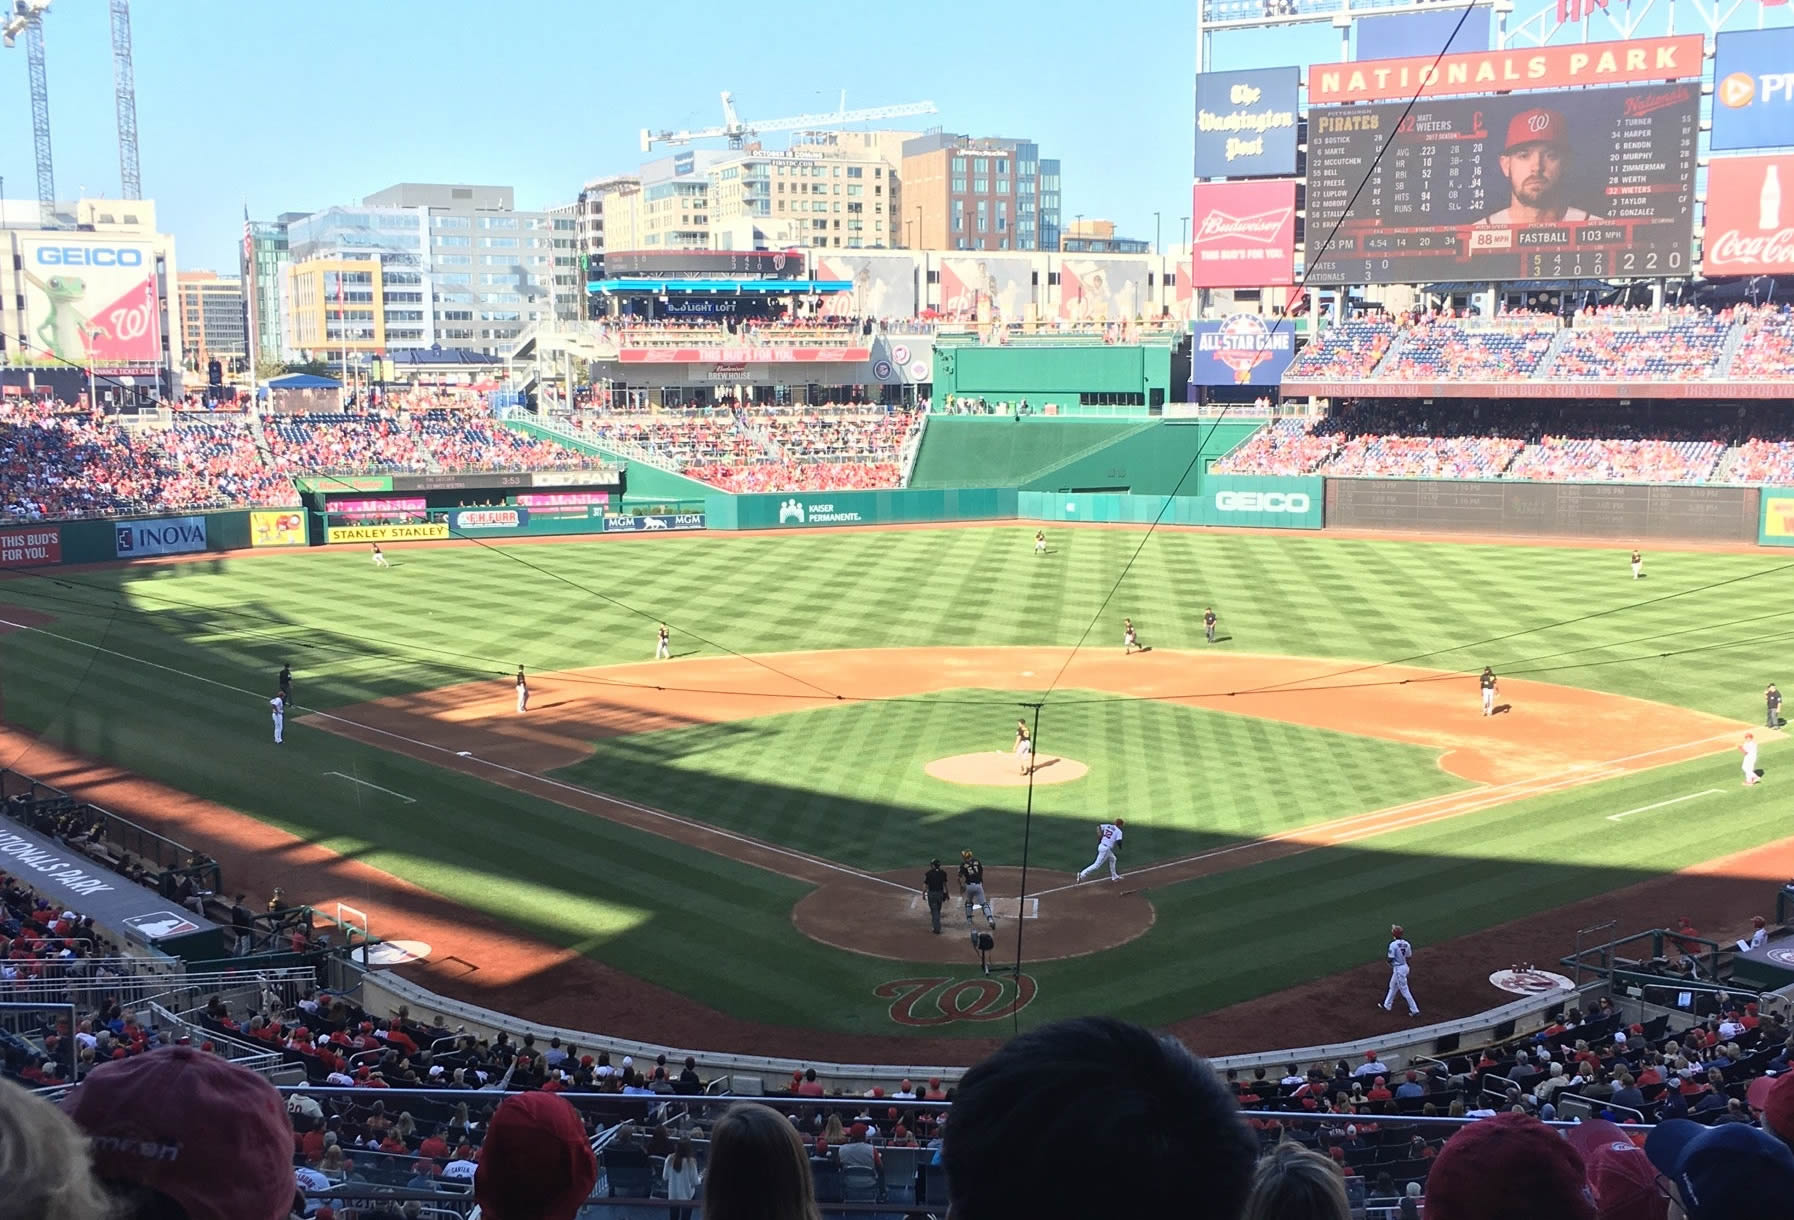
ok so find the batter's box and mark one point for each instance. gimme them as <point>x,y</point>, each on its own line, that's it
<point>1007,908</point>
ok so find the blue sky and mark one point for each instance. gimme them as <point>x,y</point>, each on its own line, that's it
<point>288,107</point>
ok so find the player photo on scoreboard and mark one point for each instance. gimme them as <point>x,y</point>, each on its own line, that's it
<point>1548,183</point>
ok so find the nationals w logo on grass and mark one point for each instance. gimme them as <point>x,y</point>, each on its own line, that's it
<point>922,1003</point>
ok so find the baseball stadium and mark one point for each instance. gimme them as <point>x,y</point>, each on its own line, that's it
<point>1350,648</point>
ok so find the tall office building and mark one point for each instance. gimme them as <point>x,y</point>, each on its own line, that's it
<point>961,193</point>
<point>427,264</point>
<point>212,319</point>
<point>262,268</point>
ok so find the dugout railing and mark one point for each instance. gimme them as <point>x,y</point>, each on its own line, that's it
<point>109,837</point>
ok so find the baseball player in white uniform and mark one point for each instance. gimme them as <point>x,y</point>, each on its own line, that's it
<point>1106,844</point>
<point>379,556</point>
<point>1749,747</point>
<point>663,644</point>
<point>278,707</point>
<point>522,691</point>
<point>1399,954</point>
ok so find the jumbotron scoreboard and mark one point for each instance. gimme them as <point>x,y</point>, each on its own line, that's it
<point>1542,185</point>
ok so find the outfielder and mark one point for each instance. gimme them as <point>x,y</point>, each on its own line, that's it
<point>1749,748</point>
<point>1637,564</point>
<point>1208,623</point>
<point>662,650</point>
<point>971,885</point>
<point>522,691</point>
<point>1129,641</point>
<point>278,706</point>
<point>379,556</point>
<point>1024,745</point>
<point>1040,542</point>
<point>1105,849</point>
<point>1487,682</point>
<point>1400,952</point>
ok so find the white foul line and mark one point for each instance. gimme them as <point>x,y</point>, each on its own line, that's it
<point>632,806</point>
<point>409,800</point>
<point>1674,800</point>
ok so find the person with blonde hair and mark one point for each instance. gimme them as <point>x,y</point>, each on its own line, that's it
<point>758,1169</point>
<point>44,1162</point>
<point>1294,1183</point>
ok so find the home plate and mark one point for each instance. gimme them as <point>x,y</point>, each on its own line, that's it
<point>1007,908</point>
<point>392,953</point>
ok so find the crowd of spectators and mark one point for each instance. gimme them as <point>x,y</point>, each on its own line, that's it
<point>1551,442</point>
<point>360,442</point>
<point>1681,345</point>
<point>1766,344</point>
<point>1454,349</point>
<point>1346,351</point>
<point>746,447</point>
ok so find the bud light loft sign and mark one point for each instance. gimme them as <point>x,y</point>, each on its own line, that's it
<point>1242,350</point>
<point>1246,123</point>
<point>168,536</point>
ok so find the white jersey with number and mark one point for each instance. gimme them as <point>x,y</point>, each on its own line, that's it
<point>1111,835</point>
<point>1399,952</point>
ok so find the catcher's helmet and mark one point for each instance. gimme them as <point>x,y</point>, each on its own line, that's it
<point>966,854</point>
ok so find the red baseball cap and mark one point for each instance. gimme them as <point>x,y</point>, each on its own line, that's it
<point>536,1161</point>
<point>167,1119</point>
<point>1620,1174</point>
<point>1776,1101</point>
<point>1536,126</point>
<point>1510,1167</point>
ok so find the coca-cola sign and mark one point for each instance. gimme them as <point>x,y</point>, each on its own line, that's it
<point>1245,234</point>
<point>1750,216</point>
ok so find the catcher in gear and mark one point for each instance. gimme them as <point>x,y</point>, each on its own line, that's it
<point>971,885</point>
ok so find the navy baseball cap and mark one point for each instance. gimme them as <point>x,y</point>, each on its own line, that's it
<point>1726,1171</point>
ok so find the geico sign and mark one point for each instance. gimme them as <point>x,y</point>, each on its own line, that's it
<point>1262,501</point>
<point>90,256</point>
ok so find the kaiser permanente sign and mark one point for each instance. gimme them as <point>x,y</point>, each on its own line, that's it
<point>1635,61</point>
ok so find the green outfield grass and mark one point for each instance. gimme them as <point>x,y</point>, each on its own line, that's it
<point>165,670</point>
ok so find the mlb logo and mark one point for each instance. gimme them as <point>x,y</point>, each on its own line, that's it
<point>125,540</point>
<point>159,924</point>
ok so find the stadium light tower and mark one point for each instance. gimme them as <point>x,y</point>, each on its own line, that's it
<point>124,90</point>
<point>28,19</point>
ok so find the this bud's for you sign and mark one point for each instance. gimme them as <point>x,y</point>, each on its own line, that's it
<point>1243,234</point>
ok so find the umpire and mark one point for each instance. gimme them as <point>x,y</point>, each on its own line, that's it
<point>934,885</point>
<point>1772,700</point>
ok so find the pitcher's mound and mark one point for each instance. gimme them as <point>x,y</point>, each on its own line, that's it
<point>1000,769</point>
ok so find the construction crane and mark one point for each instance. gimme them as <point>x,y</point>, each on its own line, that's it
<point>28,19</point>
<point>737,133</point>
<point>124,91</point>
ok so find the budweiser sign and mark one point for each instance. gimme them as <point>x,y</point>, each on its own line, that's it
<point>1750,229</point>
<point>1264,227</point>
<point>1245,234</point>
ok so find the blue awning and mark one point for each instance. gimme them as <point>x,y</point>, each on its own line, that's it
<point>721,287</point>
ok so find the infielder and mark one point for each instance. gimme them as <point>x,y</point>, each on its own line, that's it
<point>1487,682</point>
<point>1040,542</point>
<point>1399,954</point>
<point>1105,849</point>
<point>971,885</point>
<point>1749,747</point>
<point>662,649</point>
<point>278,707</point>
<point>1129,641</point>
<point>1637,564</point>
<point>379,556</point>
<point>1024,746</point>
<point>522,691</point>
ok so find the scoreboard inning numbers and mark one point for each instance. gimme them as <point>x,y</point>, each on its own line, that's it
<point>1568,184</point>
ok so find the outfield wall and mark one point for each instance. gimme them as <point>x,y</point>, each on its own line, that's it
<point>1625,512</point>
<point>804,510</point>
<point>106,540</point>
<point>1236,500</point>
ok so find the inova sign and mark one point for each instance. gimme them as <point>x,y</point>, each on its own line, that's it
<point>1262,501</point>
<point>170,536</point>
